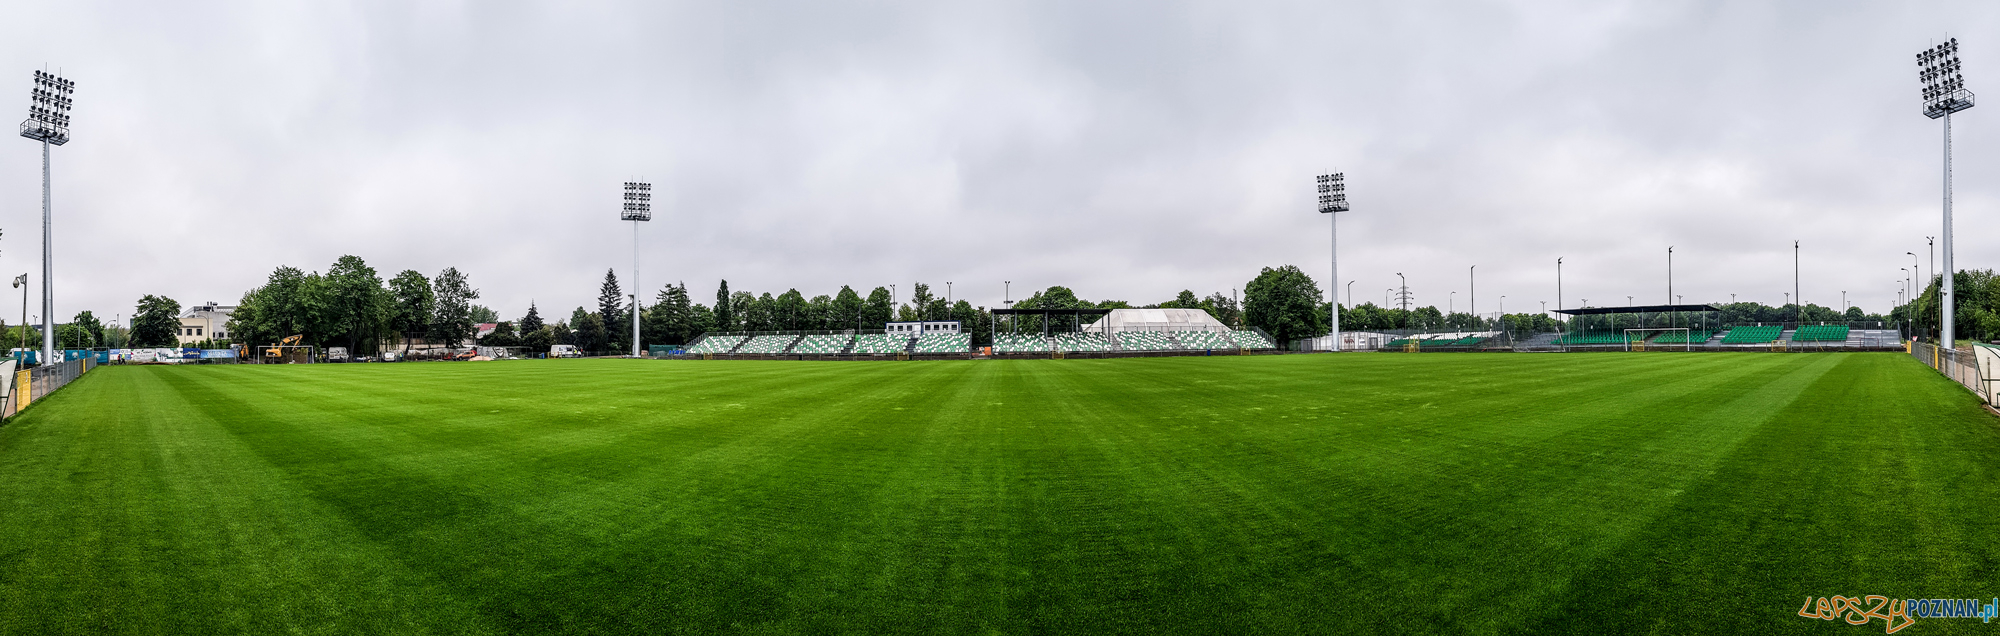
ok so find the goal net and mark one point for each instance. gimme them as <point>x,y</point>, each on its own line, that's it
<point>1669,338</point>
<point>285,354</point>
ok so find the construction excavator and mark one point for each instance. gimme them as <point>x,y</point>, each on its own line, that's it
<point>289,341</point>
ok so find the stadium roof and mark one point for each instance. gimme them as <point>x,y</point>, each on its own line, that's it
<point>1157,319</point>
<point>1052,312</point>
<point>1642,309</point>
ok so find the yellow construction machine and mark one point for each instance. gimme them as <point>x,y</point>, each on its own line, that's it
<point>275,352</point>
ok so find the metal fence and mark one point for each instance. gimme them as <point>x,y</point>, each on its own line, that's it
<point>30,386</point>
<point>1977,370</point>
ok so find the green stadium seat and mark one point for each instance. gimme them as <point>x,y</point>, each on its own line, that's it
<point>716,344</point>
<point>1820,333</point>
<point>1753,335</point>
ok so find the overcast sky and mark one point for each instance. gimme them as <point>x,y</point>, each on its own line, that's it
<point>1125,150</point>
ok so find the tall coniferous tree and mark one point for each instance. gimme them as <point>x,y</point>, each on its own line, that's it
<point>725,320</point>
<point>611,312</point>
<point>531,322</point>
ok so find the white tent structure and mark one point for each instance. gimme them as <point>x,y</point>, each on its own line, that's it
<point>1120,320</point>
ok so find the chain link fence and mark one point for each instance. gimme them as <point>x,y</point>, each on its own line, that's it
<point>1977,369</point>
<point>31,385</point>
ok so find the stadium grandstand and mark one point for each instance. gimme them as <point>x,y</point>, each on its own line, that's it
<point>1112,332</point>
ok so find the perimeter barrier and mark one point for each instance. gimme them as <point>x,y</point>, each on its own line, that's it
<point>31,385</point>
<point>1977,370</point>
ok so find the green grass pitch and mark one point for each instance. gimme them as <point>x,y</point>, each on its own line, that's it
<point>1371,493</point>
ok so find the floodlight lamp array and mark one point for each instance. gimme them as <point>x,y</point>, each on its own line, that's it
<point>1938,68</point>
<point>638,202</point>
<point>48,109</point>
<point>1333,192</point>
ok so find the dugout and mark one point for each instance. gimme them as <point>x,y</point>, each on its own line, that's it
<point>1610,334</point>
<point>1075,318</point>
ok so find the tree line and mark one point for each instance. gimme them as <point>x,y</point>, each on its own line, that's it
<point>351,305</point>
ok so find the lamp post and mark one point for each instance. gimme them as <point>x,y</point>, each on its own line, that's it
<point>1798,315</point>
<point>1333,199</point>
<point>1350,292</point>
<point>48,122</point>
<point>1944,93</point>
<point>1931,250</point>
<point>638,207</point>
<point>22,282</point>
<point>1472,289</point>
<point>1559,288</point>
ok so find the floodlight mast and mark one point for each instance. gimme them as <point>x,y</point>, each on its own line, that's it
<point>638,207</point>
<point>48,122</point>
<point>1333,198</point>
<point>1944,93</point>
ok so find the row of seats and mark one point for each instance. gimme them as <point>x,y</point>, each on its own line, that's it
<point>944,343</point>
<point>1820,333</point>
<point>716,344</point>
<point>1146,341</point>
<point>881,343</point>
<point>1753,335</point>
<point>1251,340</point>
<point>1592,338</point>
<point>767,344</point>
<point>1696,336</point>
<point>1082,342</point>
<point>823,343</point>
<point>1204,340</point>
<point>958,343</point>
<point>1019,343</point>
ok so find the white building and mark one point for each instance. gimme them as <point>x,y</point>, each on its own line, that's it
<point>920,327</point>
<point>208,321</point>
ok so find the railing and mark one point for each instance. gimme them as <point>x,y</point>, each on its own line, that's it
<point>30,386</point>
<point>1977,370</point>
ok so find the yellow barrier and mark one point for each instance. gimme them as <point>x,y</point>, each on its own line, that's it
<point>21,386</point>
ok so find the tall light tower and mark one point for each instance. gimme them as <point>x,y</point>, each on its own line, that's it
<point>1333,198</point>
<point>638,207</point>
<point>1944,94</point>
<point>48,122</point>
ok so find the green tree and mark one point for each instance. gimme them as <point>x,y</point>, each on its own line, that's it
<point>503,336</point>
<point>415,303</point>
<point>532,322</point>
<point>538,340</point>
<point>1185,300</point>
<point>1284,302</point>
<point>156,322</point>
<point>482,314</point>
<point>611,313</point>
<point>82,332</point>
<point>846,310</point>
<point>590,333</point>
<point>288,303</point>
<point>725,320</point>
<point>671,319</point>
<point>358,305</point>
<point>876,312</point>
<point>788,311</point>
<point>451,317</point>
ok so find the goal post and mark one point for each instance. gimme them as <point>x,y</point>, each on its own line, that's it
<point>285,354</point>
<point>1635,339</point>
